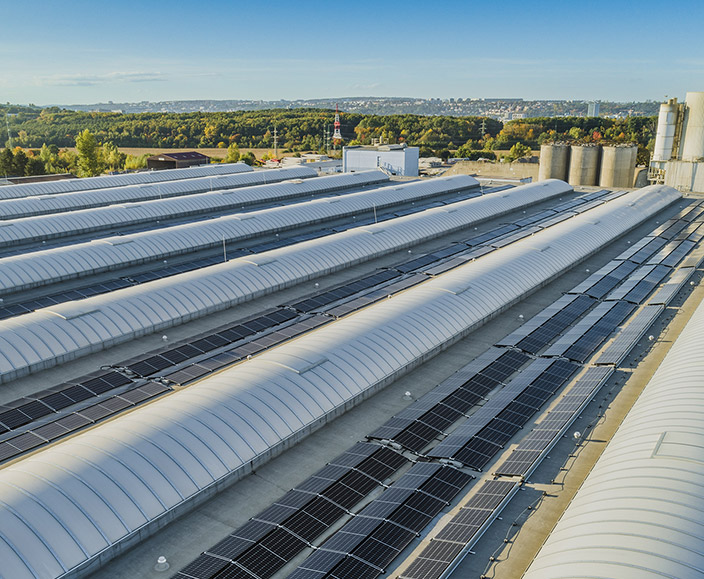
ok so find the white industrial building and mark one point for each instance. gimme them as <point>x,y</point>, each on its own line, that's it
<point>393,159</point>
<point>678,157</point>
<point>165,361</point>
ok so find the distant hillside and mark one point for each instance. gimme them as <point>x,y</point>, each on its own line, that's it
<point>503,109</point>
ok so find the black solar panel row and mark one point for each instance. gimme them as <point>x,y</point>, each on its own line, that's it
<point>49,431</point>
<point>328,297</point>
<point>480,439</point>
<point>58,298</point>
<point>669,289</point>
<point>534,446</point>
<point>550,329</point>
<point>248,347</point>
<point>602,329</point>
<point>600,284</point>
<point>373,296</point>
<point>641,284</point>
<point>270,540</point>
<point>52,400</point>
<point>416,426</point>
<point>531,219</point>
<point>372,539</point>
<point>157,362</point>
<point>462,531</point>
<point>627,338</point>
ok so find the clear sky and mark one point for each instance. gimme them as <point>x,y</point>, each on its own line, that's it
<point>78,52</point>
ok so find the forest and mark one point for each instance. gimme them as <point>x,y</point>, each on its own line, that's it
<point>43,133</point>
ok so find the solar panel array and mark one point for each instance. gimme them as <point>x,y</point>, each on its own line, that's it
<point>374,537</point>
<point>367,555</point>
<point>47,421</point>
<point>373,553</point>
<point>429,417</point>
<point>485,433</point>
<point>457,536</point>
<point>163,272</point>
<point>547,432</point>
<point>268,541</point>
<point>628,337</point>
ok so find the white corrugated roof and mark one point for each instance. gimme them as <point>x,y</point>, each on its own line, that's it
<point>108,181</point>
<point>640,512</point>
<point>63,506</point>
<point>29,342</point>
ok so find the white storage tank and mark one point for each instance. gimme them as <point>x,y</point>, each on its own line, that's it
<point>665,136</point>
<point>554,161</point>
<point>618,164</point>
<point>693,133</point>
<point>584,165</point>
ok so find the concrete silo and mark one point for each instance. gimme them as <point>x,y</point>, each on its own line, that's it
<point>693,133</point>
<point>618,164</point>
<point>554,161</point>
<point>584,165</point>
<point>665,145</point>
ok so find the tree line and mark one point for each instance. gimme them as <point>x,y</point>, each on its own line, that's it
<point>41,133</point>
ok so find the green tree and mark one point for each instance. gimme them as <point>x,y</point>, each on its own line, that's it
<point>233,154</point>
<point>518,150</point>
<point>133,162</point>
<point>34,166</point>
<point>112,158</point>
<point>248,158</point>
<point>87,148</point>
<point>6,162</point>
<point>19,163</point>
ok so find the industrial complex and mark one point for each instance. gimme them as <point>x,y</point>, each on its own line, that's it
<point>216,372</point>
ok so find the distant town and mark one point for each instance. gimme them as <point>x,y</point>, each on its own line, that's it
<point>504,109</point>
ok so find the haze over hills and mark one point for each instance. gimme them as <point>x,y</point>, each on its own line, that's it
<point>502,108</point>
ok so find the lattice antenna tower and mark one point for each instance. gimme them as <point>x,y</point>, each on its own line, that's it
<point>337,135</point>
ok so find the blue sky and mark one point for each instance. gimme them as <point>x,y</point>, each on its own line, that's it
<point>75,52</point>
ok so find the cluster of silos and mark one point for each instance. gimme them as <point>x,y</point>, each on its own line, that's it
<point>678,155</point>
<point>589,164</point>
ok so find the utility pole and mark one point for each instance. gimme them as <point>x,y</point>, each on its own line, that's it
<point>483,127</point>
<point>7,124</point>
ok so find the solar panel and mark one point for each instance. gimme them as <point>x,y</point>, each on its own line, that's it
<point>204,567</point>
<point>489,235</point>
<point>466,443</point>
<point>640,285</point>
<point>672,253</point>
<point>672,230</point>
<point>536,321</point>
<point>629,335</point>
<point>461,531</point>
<point>536,444</point>
<point>578,330</point>
<point>302,514</point>
<point>384,527</point>
<point>550,329</point>
<point>671,288</point>
<point>535,218</point>
<point>310,304</point>
<point>507,239</point>
<point>592,338</point>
